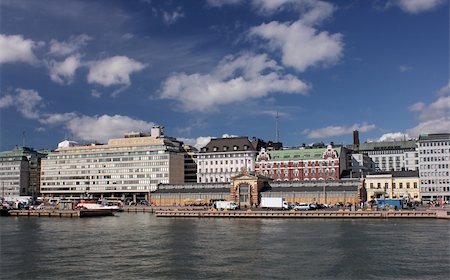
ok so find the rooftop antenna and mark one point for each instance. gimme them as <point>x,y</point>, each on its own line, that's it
<point>23,138</point>
<point>277,129</point>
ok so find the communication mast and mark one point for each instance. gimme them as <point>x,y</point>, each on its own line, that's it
<point>277,128</point>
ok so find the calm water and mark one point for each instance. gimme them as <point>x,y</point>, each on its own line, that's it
<point>141,246</point>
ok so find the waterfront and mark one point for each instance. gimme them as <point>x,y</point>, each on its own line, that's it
<point>141,246</point>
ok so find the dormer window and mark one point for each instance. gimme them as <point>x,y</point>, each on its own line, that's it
<point>245,147</point>
<point>235,148</point>
<point>225,148</point>
<point>215,149</point>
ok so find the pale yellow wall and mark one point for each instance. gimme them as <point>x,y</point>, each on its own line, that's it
<point>393,190</point>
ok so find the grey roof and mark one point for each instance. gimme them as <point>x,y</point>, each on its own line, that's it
<point>313,189</point>
<point>391,145</point>
<point>406,173</point>
<point>432,137</point>
<point>194,190</point>
<point>221,145</point>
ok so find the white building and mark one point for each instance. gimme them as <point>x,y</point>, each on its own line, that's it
<point>392,156</point>
<point>126,167</point>
<point>223,158</point>
<point>434,161</point>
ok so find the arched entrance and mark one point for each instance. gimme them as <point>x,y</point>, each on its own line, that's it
<point>244,195</point>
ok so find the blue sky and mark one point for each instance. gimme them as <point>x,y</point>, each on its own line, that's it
<point>92,70</point>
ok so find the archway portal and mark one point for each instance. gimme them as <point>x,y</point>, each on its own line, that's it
<point>244,195</point>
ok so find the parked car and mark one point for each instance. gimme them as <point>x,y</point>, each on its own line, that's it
<point>302,207</point>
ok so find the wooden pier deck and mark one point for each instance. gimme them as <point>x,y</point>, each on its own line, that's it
<point>303,214</point>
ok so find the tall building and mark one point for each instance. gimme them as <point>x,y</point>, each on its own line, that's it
<point>129,167</point>
<point>301,163</point>
<point>20,172</point>
<point>391,156</point>
<point>223,158</point>
<point>434,161</point>
<point>190,164</point>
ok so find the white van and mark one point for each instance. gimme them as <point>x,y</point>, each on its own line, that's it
<point>302,207</point>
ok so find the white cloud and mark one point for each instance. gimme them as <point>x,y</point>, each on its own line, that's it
<point>439,125</point>
<point>15,48</point>
<point>96,94</point>
<point>395,136</point>
<point>235,78</point>
<point>57,118</point>
<point>301,46</point>
<point>6,101</point>
<point>220,3</point>
<point>310,11</point>
<point>416,6</point>
<point>68,47</point>
<point>172,17</point>
<point>26,101</point>
<point>437,109</point>
<point>113,71</point>
<point>404,68</point>
<point>445,89</point>
<point>337,130</point>
<point>63,72</point>
<point>104,127</point>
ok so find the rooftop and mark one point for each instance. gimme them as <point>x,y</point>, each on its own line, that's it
<point>391,145</point>
<point>301,154</point>
<point>437,136</point>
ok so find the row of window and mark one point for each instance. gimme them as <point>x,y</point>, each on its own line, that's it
<point>112,165</point>
<point>226,156</point>
<point>434,159</point>
<point>434,151</point>
<point>394,185</point>
<point>434,144</point>
<point>435,181</point>
<point>434,166</point>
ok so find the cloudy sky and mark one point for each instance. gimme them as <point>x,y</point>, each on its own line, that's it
<point>92,70</point>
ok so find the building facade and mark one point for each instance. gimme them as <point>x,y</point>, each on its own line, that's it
<point>434,166</point>
<point>247,189</point>
<point>393,185</point>
<point>223,158</point>
<point>20,172</point>
<point>126,167</point>
<point>391,156</point>
<point>301,164</point>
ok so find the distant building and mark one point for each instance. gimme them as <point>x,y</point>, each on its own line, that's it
<point>223,158</point>
<point>190,164</point>
<point>391,156</point>
<point>129,167</point>
<point>434,161</point>
<point>393,185</point>
<point>357,165</point>
<point>20,172</point>
<point>300,164</point>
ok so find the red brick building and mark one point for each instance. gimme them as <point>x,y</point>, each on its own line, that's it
<point>301,164</point>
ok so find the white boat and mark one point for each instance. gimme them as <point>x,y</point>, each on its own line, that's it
<point>94,205</point>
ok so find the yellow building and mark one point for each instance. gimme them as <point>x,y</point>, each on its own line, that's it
<point>393,185</point>
<point>126,167</point>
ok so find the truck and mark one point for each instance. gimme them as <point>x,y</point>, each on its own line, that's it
<point>274,203</point>
<point>229,205</point>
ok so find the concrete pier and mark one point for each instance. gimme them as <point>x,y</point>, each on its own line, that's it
<point>302,214</point>
<point>60,213</point>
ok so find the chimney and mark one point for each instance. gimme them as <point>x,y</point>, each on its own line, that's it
<point>355,137</point>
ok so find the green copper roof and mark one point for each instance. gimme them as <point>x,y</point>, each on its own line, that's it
<point>18,152</point>
<point>300,154</point>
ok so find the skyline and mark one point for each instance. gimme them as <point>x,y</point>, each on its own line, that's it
<point>327,67</point>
